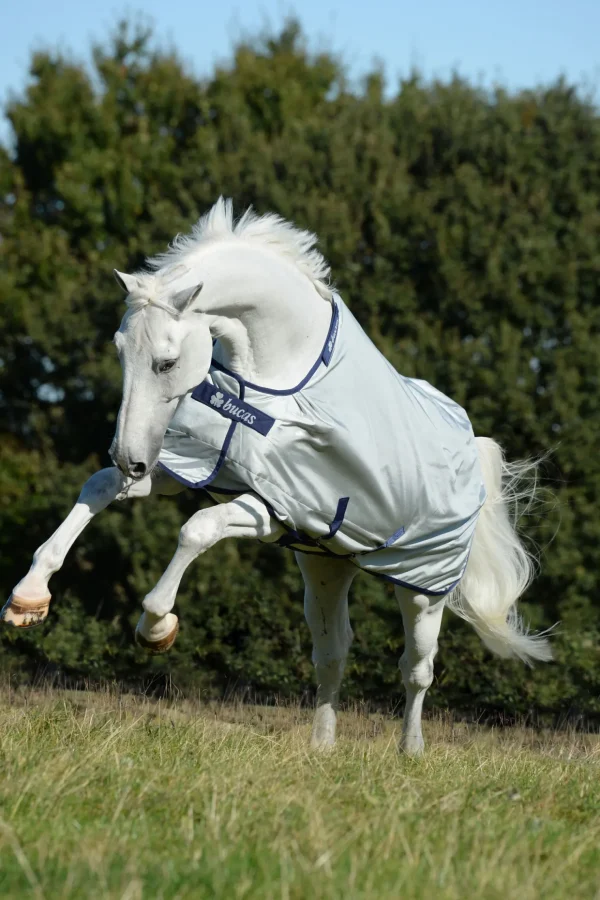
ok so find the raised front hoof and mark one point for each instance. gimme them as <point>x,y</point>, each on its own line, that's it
<point>158,638</point>
<point>24,613</point>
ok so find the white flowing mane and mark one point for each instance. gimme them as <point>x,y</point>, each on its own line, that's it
<point>269,230</point>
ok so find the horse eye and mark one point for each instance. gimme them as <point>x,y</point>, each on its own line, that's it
<point>167,365</point>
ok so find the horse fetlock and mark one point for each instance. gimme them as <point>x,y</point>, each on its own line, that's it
<point>47,560</point>
<point>34,586</point>
<point>324,728</point>
<point>412,744</point>
<point>157,604</point>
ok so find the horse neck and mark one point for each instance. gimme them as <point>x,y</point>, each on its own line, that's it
<point>270,322</point>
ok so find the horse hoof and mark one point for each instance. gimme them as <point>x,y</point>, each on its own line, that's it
<point>160,637</point>
<point>24,613</point>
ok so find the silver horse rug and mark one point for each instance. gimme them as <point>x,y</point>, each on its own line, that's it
<point>356,461</point>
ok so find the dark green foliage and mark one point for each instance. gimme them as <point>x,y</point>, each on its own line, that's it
<point>462,228</point>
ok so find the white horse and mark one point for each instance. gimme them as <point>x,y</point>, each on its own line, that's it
<point>235,306</point>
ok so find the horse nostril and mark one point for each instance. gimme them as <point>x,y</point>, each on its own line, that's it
<point>137,469</point>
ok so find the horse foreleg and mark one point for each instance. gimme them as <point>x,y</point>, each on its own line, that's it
<point>29,602</point>
<point>246,516</point>
<point>327,584</point>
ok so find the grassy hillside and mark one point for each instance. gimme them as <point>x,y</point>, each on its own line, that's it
<point>115,796</point>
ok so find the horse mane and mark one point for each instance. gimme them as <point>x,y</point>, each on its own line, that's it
<point>269,230</point>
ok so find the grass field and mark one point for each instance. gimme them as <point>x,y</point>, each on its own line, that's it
<point>115,796</point>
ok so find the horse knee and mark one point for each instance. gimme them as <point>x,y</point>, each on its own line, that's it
<point>189,537</point>
<point>101,488</point>
<point>417,673</point>
<point>200,532</point>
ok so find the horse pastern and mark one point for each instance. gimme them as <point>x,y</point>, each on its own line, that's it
<point>412,745</point>
<point>322,742</point>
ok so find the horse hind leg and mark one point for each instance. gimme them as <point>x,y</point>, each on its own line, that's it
<point>327,584</point>
<point>422,620</point>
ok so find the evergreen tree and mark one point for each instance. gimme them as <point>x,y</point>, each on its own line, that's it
<point>463,230</point>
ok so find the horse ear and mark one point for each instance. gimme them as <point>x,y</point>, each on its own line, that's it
<point>182,301</point>
<point>127,282</point>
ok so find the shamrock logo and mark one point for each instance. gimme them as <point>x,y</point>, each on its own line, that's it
<point>217,399</point>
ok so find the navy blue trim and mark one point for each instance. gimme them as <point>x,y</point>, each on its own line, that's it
<point>331,335</point>
<point>233,491</point>
<point>305,540</point>
<point>339,518</point>
<point>324,552</point>
<point>232,407</point>
<point>413,587</point>
<point>292,537</point>
<point>174,475</point>
<point>324,357</point>
<point>391,540</point>
<point>201,484</point>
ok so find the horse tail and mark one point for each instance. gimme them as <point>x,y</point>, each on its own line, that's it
<point>500,568</point>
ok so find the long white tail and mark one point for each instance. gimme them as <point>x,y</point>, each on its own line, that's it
<point>500,568</point>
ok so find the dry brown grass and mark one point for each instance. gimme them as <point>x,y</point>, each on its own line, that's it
<point>111,795</point>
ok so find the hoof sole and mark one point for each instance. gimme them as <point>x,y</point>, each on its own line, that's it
<point>162,645</point>
<point>23,613</point>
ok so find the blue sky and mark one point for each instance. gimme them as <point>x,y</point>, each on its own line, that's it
<point>510,42</point>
